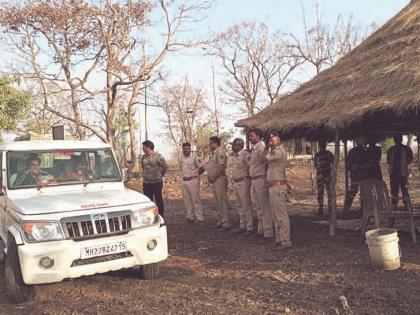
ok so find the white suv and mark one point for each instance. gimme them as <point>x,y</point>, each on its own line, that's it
<point>65,213</point>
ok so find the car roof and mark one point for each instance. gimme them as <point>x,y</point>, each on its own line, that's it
<point>40,145</point>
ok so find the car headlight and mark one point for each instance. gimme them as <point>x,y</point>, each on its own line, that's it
<point>145,217</point>
<point>43,231</point>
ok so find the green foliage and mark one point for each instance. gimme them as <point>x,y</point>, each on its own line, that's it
<point>14,104</point>
<point>201,141</point>
<point>386,144</point>
<point>288,145</point>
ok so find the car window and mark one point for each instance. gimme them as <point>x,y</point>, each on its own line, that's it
<point>60,167</point>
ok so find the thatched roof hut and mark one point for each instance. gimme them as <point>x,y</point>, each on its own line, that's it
<point>373,89</point>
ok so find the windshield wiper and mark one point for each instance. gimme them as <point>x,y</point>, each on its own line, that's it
<point>88,179</point>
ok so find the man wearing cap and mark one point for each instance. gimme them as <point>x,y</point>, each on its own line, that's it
<point>216,170</point>
<point>242,185</point>
<point>257,172</point>
<point>191,169</point>
<point>278,186</point>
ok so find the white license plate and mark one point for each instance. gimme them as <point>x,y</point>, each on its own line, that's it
<point>103,250</point>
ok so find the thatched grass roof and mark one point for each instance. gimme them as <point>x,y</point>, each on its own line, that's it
<point>376,84</point>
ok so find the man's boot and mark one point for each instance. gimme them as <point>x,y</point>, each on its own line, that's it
<point>407,205</point>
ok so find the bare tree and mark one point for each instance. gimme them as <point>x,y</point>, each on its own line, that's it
<point>322,45</point>
<point>258,64</point>
<point>94,53</point>
<point>187,112</point>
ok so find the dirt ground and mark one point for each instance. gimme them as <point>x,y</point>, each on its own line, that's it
<point>215,272</point>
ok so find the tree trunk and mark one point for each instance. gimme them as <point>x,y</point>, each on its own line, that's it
<point>333,186</point>
<point>133,135</point>
<point>111,108</point>
<point>76,111</point>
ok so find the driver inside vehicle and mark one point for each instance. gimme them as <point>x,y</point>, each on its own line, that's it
<point>80,171</point>
<point>33,174</point>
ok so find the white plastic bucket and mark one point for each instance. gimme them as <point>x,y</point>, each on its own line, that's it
<point>384,251</point>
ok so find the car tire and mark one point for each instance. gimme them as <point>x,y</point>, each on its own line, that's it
<point>150,271</point>
<point>17,290</point>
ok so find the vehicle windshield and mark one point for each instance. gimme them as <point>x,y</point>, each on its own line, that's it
<point>60,167</point>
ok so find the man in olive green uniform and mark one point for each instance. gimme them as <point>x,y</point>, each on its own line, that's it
<point>277,182</point>
<point>154,168</point>
<point>359,169</point>
<point>323,161</point>
<point>191,169</point>
<point>216,170</point>
<point>399,157</point>
<point>33,175</point>
<point>257,172</point>
<point>242,185</point>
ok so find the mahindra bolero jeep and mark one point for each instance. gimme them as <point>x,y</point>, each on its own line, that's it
<point>65,213</point>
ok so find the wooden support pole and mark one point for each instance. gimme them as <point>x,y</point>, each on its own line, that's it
<point>418,154</point>
<point>346,170</point>
<point>247,144</point>
<point>333,186</point>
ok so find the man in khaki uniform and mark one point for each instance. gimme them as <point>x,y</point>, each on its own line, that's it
<point>242,185</point>
<point>277,182</point>
<point>216,169</point>
<point>257,172</point>
<point>191,169</point>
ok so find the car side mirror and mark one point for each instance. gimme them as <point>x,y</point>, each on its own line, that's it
<point>126,174</point>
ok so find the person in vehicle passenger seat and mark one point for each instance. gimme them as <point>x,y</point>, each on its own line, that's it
<point>80,173</point>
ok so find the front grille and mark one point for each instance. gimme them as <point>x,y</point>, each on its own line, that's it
<point>97,225</point>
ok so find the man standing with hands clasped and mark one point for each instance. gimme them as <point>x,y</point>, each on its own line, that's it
<point>278,187</point>
<point>154,168</point>
<point>242,186</point>
<point>257,172</point>
<point>191,169</point>
<point>216,170</point>
<point>399,157</point>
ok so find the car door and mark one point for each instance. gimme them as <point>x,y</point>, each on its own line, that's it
<point>3,200</point>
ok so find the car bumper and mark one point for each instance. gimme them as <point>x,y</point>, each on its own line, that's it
<point>67,255</point>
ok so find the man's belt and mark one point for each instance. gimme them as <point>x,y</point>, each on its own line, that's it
<point>240,179</point>
<point>186,179</point>
<point>280,182</point>
<point>257,177</point>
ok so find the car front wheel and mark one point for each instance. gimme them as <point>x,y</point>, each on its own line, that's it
<point>15,287</point>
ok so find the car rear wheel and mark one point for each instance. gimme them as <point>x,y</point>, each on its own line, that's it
<point>150,271</point>
<point>17,290</point>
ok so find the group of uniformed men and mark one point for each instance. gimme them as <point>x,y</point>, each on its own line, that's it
<point>363,162</point>
<point>262,172</point>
